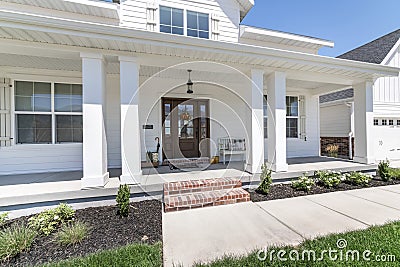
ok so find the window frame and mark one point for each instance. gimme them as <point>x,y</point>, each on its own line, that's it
<point>294,117</point>
<point>198,24</point>
<point>265,117</point>
<point>52,112</point>
<point>185,21</point>
<point>172,26</point>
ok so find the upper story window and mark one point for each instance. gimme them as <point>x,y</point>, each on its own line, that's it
<point>198,24</point>
<point>171,20</point>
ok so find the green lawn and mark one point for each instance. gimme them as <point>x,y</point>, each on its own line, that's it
<point>384,240</point>
<point>137,255</point>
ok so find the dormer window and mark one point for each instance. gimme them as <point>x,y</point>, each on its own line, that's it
<point>171,20</point>
<point>198,24</point>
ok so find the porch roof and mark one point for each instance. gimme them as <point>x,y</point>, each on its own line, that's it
<point>69,35</point>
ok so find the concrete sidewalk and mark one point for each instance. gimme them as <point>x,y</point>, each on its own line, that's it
<point>203,235</point>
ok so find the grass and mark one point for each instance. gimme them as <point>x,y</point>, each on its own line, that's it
<point>15,239</point>
<point>383,240</point>
<point>138,255</point>
<point>72,233</point>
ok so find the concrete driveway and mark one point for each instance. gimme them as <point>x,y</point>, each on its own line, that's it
<point>202,235</point>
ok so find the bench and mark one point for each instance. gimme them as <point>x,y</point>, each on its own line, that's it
<point>231,146</point>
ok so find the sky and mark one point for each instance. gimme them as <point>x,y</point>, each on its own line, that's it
<point>348,23</point>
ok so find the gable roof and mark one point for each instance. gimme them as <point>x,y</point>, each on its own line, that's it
<point>374,51</point>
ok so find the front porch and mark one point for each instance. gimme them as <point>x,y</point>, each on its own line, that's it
<point>28,190</point>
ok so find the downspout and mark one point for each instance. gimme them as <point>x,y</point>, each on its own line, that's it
<point>351,133</point>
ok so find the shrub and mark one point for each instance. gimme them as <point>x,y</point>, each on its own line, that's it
<point>266,180</point>
<point>303,183</point>
<point>72,233</point>
<point>3,218</point>
<point>358,178</point>
<point>123,200</point>
<point>329,178</point>
<point>49,220</point>
<point>15,239</point>
<point>384,170</point>
<point>394,173</point>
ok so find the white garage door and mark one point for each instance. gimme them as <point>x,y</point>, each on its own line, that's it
<point>387,142</point>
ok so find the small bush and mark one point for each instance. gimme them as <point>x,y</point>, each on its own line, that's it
<point>329,179</point>
<point>48,221</point>
<point>394,173</point>
<point>15,239</point>
<point>266,180</point>
<point>3,218</point>
<point>303,183</point>
<point>123,200</point>
<point>72,233</point>
<point>384,170</point>
<point>358,178</point>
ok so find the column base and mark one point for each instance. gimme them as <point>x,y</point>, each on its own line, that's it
<point>131,179</point>
<point>284,167</point>
<point>364,160</point>
<point>92,182</point>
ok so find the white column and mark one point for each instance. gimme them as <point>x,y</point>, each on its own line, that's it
<point>94,133</point>
<point>276,93</point>
<point>363,123</point>
<point>130,128</point>
<point>257,122</point>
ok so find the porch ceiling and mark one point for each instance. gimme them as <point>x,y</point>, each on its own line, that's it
<point>163,50</point>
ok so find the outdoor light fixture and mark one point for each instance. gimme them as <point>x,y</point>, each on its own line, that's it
<point>189,84</point>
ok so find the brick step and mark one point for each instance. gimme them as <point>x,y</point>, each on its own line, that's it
<point>184,187</point>
<point>205,199</point>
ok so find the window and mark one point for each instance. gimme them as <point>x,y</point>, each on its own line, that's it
<point>171,20</point>
<point>292,116</point>
<point>384,122</point>
<point>197,25</point>
<point>376,122</point>
<point>398,122</point>
<point>390,122</point>
<point>37,118</point>
<point>265,113</point>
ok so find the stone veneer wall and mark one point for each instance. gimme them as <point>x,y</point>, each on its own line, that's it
<point>342,142</point>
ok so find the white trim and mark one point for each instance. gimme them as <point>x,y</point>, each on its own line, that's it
<point>255,32</point>
<point>391,52</point>
<point>119,34</point>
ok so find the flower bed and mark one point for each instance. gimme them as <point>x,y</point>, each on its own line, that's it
<point>107,230</point>
<point>280,191</point>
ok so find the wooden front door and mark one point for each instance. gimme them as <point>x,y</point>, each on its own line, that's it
<point>186,128</point>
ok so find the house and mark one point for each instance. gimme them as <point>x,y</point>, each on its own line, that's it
<point>89,85</point>
<point>337,109</point>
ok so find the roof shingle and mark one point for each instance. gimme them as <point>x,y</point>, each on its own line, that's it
<point>375,51</point>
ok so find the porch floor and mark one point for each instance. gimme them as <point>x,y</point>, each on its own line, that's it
<point>61,186</point>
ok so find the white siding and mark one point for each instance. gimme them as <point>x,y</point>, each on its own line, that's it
<point>40,158</point>
<point>335,120</point>
<point>133,14</point>
<point>387,90</point>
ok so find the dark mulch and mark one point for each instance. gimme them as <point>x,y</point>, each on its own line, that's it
<point>107,231</point>
<point>280,191</point>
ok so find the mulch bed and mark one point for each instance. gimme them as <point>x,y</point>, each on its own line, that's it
<point>280,191</point>
<point>107,231</point>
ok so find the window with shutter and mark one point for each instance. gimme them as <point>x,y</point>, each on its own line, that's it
<point>5,112</point>
<point>302,114</point>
